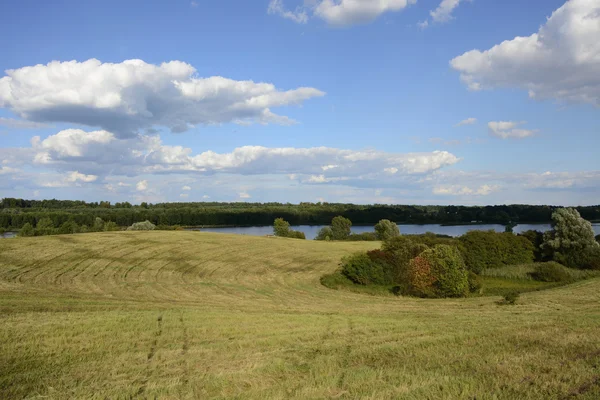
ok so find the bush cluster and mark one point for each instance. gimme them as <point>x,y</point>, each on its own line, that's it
<point>45,227</point>
<point>281,228</point>
<point>551,272</point>
<point>489,249</point>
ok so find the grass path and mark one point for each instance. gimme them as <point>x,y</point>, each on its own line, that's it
<point>186,315</point>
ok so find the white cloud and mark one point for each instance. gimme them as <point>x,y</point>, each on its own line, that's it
<point>509,130</point>
<point>561,61</point>
<point>72,178</point>
<point>348,12</point>
<point>299,16</point>
<point>99,152</point>
<point>186,188</point>
<point>443,13</point>
<point>468,121</point>
<point>206,196</point>
<point>458,190</point>
<point>126,97</point>
<point>7,170</point>
<point>244,195</point>
<point>194,4</point>
<point>20,124</point>
<point>339,12</point>
<point>184,195</point>
<point>142,185</point>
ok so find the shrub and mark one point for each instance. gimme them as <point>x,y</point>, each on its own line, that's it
<point>448,268</point>
<point>359,268</point>
<point>26,230</point>
<point>335,280</point>
<point>475,283</point>
<point>110,226</point>
<point>296,235</point>
<point>365,236</point>
<point>68,227</point>
<point>489,249</point>
<point>98,225</point>
<point>536,238</point>
<point>420,277</point>
<point>386,229</point>
<point>142,226</point>
<point>511,298</point>
<point>325,234</point>
<point>340,228</point>
<point>551,272</point>
<point>44,226</point>
<point>402,250</point>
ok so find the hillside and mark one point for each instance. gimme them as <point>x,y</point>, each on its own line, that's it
<point>200,315</point>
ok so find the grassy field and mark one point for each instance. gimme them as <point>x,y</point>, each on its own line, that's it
<point>184,315</point>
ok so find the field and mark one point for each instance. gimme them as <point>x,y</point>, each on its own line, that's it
<point>185,315</point>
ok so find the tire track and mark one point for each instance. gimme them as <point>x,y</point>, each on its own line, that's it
<point>151,354</point>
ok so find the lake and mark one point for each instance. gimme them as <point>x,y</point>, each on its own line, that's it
<point>454,230</point>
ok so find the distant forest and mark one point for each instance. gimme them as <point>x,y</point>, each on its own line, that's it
<point>14,213</point>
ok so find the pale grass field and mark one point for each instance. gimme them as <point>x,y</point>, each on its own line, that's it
<point>186,315</point>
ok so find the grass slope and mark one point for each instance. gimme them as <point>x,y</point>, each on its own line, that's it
<point>200,315</point>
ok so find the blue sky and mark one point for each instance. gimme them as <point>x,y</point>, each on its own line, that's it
<point>286,100</point>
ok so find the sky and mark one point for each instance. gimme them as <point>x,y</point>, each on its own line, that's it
<point>468,102</point>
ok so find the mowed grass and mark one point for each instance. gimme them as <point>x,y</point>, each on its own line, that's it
<point>183,315</point>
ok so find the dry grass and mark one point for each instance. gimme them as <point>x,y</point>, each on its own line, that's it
<point>200,315</point>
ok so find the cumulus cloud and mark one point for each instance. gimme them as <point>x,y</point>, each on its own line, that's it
<point>244,195</point>
<point>186,188</point>
<point>561,61</point>
<point>73,178</point>
<point>124,98</point>
<point>468,121</point>
<point>184,195</point>
<point>443,13</point>
<point>509,130</point>
<point>458,190</point>
<point>142,185</point>
<point>340,12</point>
<point>100,152</point>
<point>299,15</point>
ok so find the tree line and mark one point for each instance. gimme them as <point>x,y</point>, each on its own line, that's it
<point>14,213</point>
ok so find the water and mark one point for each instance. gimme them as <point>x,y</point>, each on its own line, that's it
<point>454,230</point>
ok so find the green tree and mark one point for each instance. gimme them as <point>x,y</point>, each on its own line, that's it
<point>98,225</point>
<point>281,227</point>
<point>110,226</point>
<point>340,228</point>
<point>45,226</point>
<point>571,236</point>
<point>68,227</point>
<point>325,233</point>
<point>26,230</point>
<point>386,229</point>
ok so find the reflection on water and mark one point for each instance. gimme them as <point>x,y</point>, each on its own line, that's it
<point>455,230</point>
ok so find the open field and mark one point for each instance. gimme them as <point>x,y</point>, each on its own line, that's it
<point>199,315</point>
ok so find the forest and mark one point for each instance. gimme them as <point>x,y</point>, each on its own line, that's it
<point>14,213</point>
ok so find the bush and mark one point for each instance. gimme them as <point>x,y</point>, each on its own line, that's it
<point>488,249</point>
<point>386,229</point>
<point>335,280</point>
<point>511,298</point>
<point>439,272</point>
<point>296,235</point>
<point>98,225</point>
<point>142,226</point>
<point>551,272</point>
<point>431,239</point>
<point>325,234</point>
<point>68,228</point>
<point>26,230</point>
<point>536,238</point>
<point>110,226</point>
<point>475,283</point>
<point>402,250</point>
<point>361,269</point>
<point>365,236</point>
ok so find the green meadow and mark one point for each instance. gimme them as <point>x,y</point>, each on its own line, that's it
<point>190,315</point>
